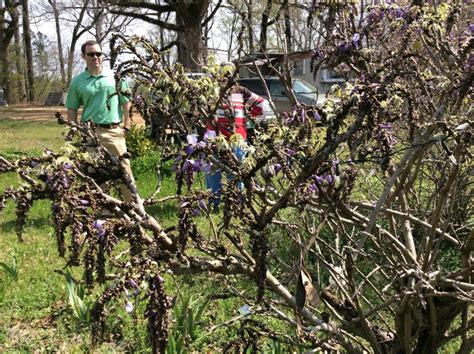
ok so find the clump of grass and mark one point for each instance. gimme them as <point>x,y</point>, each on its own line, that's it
<point>187,330</point>
<point>11,268</point>
<point>80,305</point>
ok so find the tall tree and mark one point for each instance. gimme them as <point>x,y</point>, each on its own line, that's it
<point>288,35</point>
<point>266,22</point>
<point>28,51</point>
<point>190,17</point>
<point>78,30</point>
<point>54,7</point>
<point>20,63</point>
<point>8,23</point>
<point>249,20</point>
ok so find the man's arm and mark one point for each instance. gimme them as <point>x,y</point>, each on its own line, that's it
<point>72,115</point>
<point>127,122</point>
<point>253,102</point>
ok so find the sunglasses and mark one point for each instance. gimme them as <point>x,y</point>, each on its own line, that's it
<point>94,54</point>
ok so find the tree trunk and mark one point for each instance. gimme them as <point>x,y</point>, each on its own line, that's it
<point>20,62</point>
<point>28,51</point>
<point>249,4</point>
<point>264,27</point>
<point>76,34</point>
<point>445,311</point>
<point>60,43</point>
<point>289,41</point>
<point>190,43</point>
<point>70,62</point>
<point>98,22</point>
<point>3,51</point>
<point>7,31</point>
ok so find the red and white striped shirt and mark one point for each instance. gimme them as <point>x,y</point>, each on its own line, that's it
<point>231,119</point>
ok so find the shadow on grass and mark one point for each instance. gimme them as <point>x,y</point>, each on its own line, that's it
<point>163,212</point>
<point>36,222</point>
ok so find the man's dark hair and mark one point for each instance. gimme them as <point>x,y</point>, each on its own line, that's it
<point>88,43</point>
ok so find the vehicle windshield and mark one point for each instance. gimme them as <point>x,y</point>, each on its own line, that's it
<point>300,86</point>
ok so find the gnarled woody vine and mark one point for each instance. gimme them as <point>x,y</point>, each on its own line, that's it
<point>367,195</point>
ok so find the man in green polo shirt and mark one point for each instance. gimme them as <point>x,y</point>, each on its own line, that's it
<point>94,89</point>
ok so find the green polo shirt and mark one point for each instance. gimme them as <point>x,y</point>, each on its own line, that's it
<point>93,93</point>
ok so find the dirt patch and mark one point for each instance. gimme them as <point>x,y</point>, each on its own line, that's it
<point>31,112</point>
<point>43,113</point>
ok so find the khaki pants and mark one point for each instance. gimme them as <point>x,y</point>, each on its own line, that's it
<point>113,139</point>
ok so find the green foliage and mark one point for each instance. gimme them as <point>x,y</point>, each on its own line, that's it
<point>11,268</point>
<point>138,141</point>
<point>187,330</point>
<point>3,286</point>
<point>146,163</point>
<point>80,305</point>
<point>275,347</point>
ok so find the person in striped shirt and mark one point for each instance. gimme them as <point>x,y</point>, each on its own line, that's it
<point>231,121</point>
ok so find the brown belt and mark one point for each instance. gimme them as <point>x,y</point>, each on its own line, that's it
<point>106,126</point>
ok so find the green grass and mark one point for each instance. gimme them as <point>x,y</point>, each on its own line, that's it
<point>34,310</point>
<point>20,137</point>
<point>35,313</point>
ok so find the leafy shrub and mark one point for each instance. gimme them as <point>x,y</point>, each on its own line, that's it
<point>138,141</point>
<point>146,163</point>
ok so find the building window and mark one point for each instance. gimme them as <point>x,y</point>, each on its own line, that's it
<point>299,67</point>
<point>329,75</point>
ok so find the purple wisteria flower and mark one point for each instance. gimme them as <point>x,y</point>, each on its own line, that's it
<point>272,170</point>
<point>316,116</point>
<point>193,142</point>
<point>384,133</point>
<point>134,286</point>
<point>324,180</point>
<point>84,202</point>
<point>99,227</point>
<point>128,306</point>
<point>192,139</point>
<point>356,40</point>
<point>399,13</point>
<point>277,167</point>
<point>385,126</point>
<point>191,165</point>
<point>209,135</point>
<point>318,54</point>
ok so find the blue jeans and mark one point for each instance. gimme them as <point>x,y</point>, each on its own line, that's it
<point>214,180</point>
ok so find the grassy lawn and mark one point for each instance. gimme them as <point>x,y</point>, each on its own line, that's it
<point>34,310</point>
<point>20,136</point>
<point>33,304</point>
<point>34,313</point>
